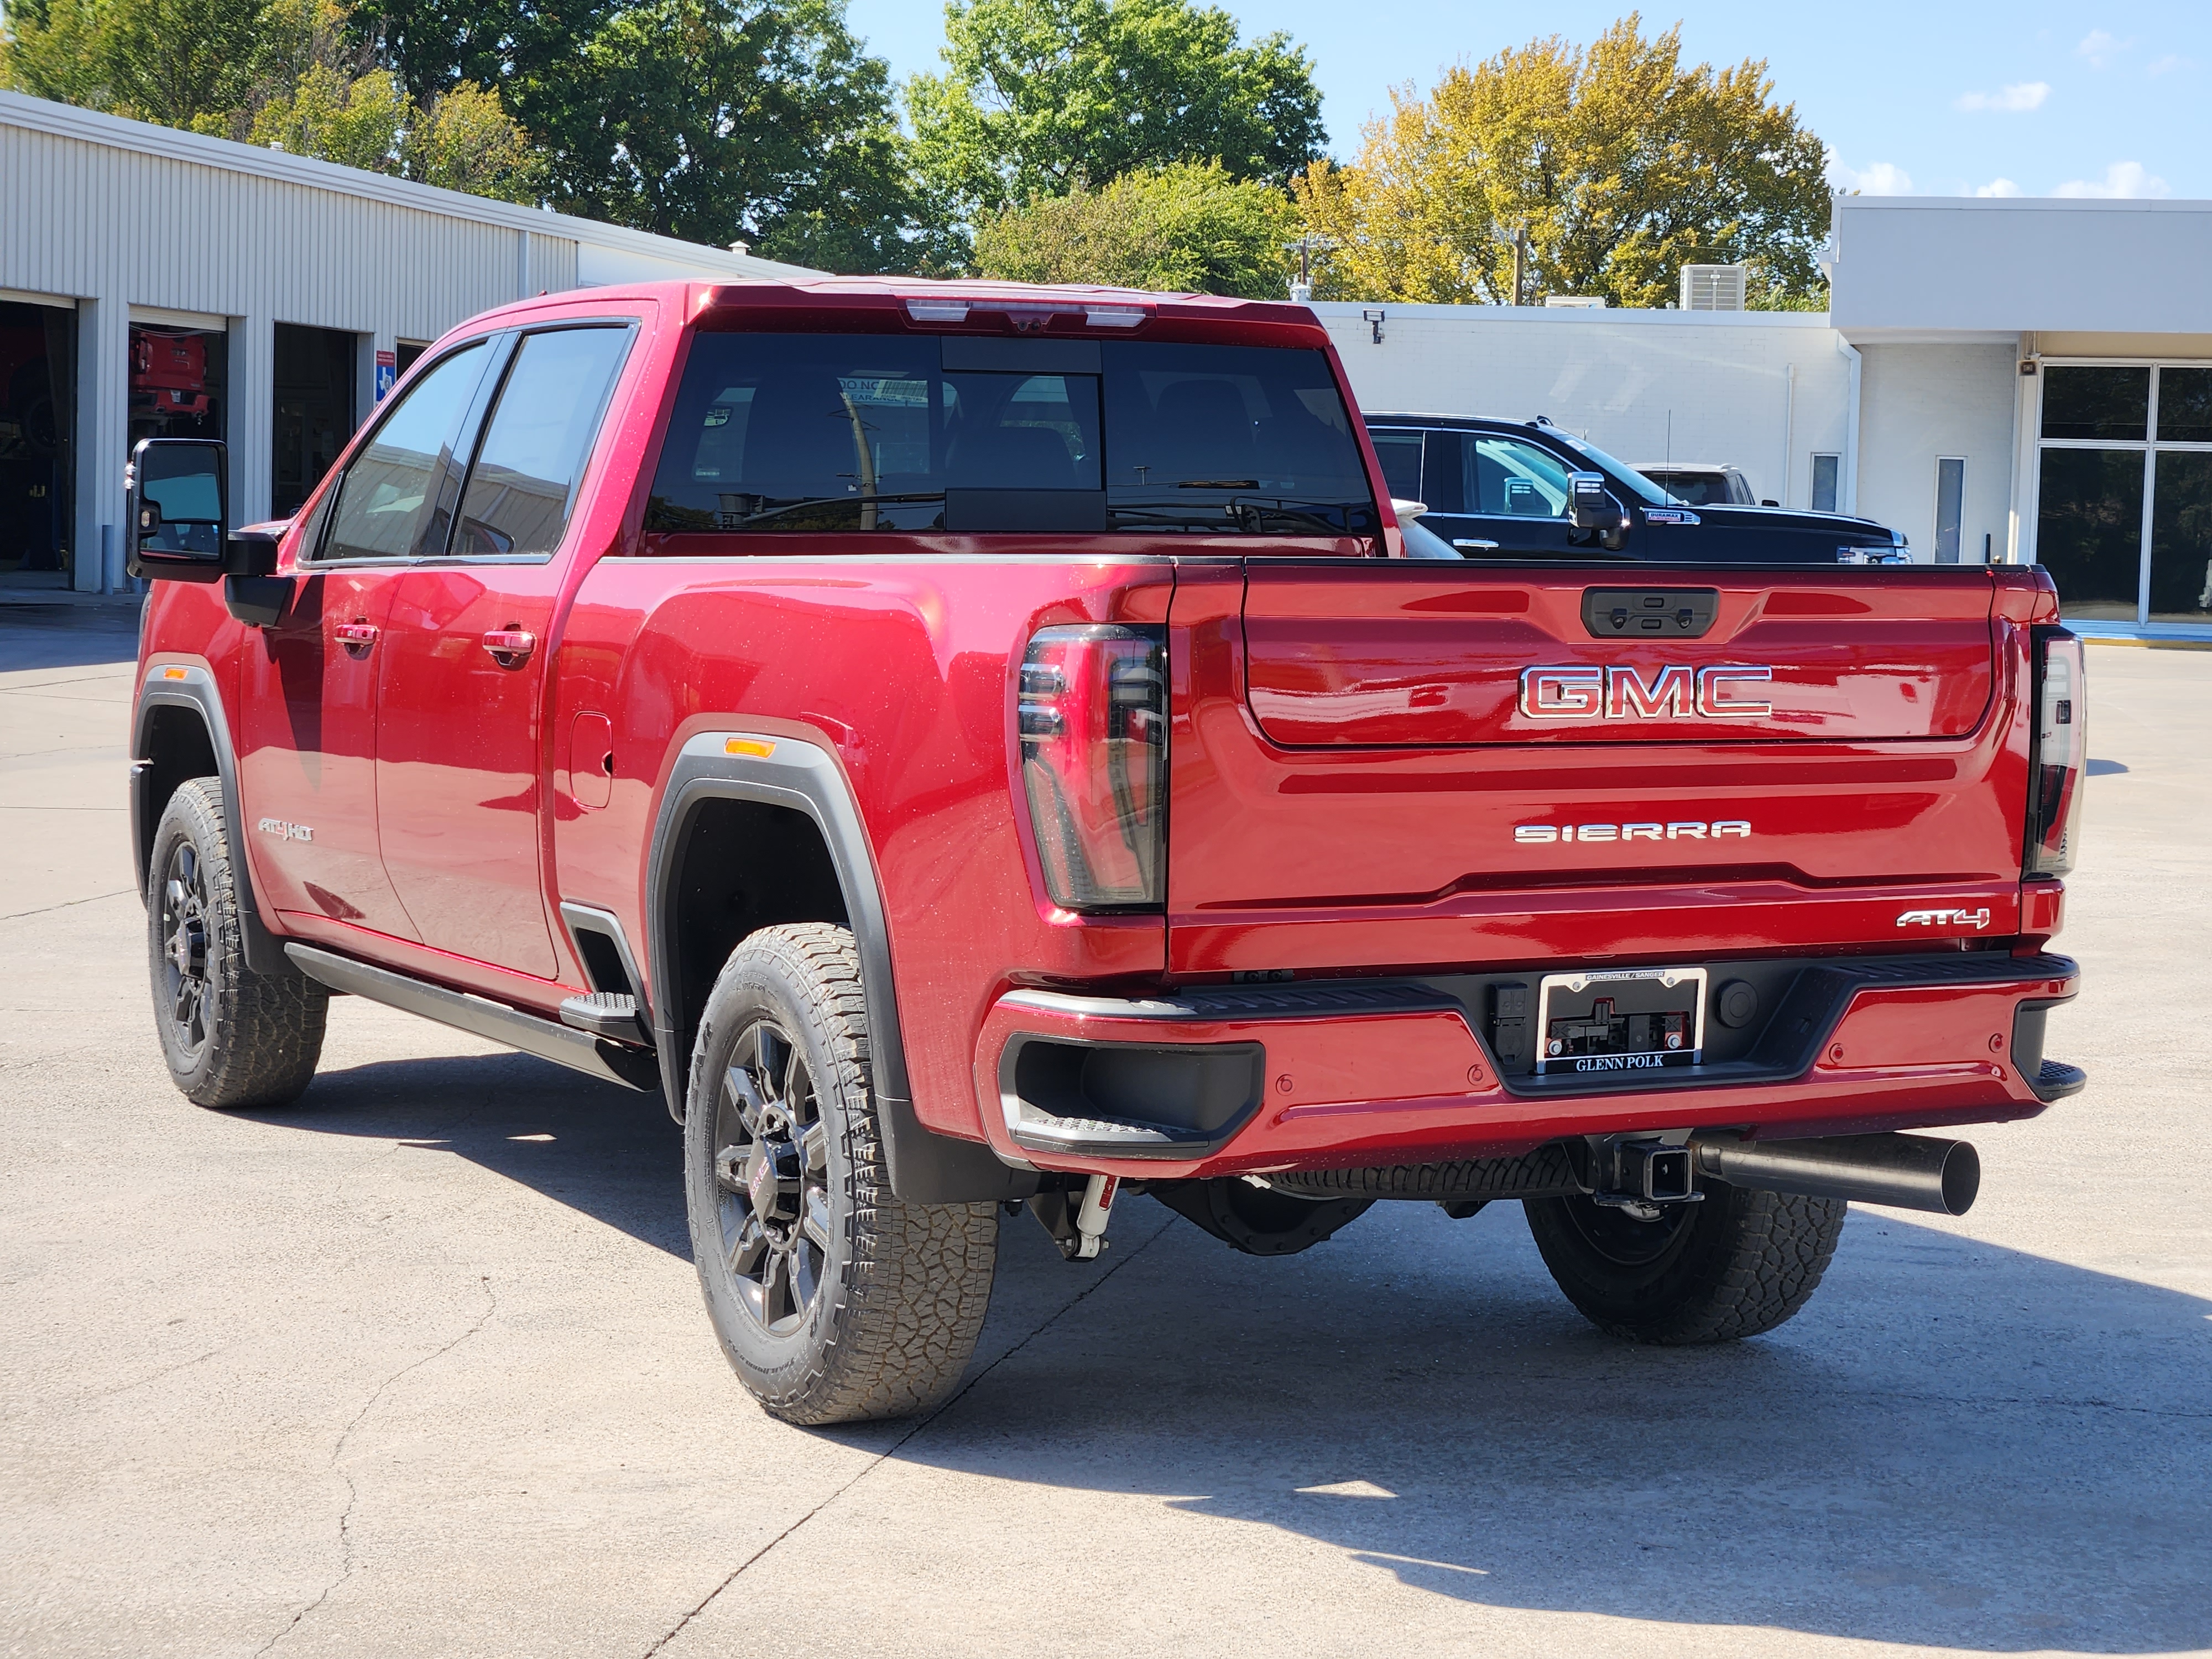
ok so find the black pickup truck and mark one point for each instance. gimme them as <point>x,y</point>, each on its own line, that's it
<point>1507,490</point>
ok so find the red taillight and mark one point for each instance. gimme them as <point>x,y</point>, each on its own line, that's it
<point>1092,718</point>
<point>2061,753</point>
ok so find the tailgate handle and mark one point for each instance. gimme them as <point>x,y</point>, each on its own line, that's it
<point>1671,613</point>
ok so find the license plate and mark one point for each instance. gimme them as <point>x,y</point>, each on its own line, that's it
<point>1620,1019</point>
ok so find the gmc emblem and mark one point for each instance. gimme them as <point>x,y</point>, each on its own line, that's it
<point>1621,694</point>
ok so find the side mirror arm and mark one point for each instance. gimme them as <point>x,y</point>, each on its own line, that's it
<point>252,590</point>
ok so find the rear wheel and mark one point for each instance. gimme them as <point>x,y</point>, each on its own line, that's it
<point>834,1301</point>
<point>231,1037</point>
<point>1740,1262</point>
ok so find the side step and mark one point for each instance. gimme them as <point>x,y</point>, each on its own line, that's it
<point>611,1014</point>
<point>580,1051</point>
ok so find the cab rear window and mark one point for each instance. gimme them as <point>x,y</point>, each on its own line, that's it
<point>778,433</point>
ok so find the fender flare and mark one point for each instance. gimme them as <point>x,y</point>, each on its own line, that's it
<point>926,1168</point>
<point>196,689</point>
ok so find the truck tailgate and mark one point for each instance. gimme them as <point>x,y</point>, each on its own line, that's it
<point>1398,765</point>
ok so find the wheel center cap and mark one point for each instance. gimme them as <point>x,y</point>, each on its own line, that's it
<point>772,1180</point>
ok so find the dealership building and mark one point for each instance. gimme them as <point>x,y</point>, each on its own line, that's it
<point>2005,380</point>
<point>156,282</point>
<point>2000,380</point>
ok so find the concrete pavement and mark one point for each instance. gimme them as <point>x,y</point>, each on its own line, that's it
<point>418,1367</point>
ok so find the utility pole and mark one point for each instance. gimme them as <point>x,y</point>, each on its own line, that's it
<point>1305,247</point>
<point>1520,262</point>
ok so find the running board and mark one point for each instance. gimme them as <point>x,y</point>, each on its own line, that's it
<point>580,1051</point>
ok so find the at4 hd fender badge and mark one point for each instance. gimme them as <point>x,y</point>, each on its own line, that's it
<point>1945,918</point>
<point>284,831</point>
<point>1540,834</point>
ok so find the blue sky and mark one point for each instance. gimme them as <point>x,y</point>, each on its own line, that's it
<point>1939,98</point>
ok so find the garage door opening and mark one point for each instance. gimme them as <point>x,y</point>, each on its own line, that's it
<point>315,410</point>
<point>37,360</point>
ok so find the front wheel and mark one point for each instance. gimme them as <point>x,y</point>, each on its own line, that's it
<point>233,1038</point>
<point>834,1301</point>
<point>1741,1262</point>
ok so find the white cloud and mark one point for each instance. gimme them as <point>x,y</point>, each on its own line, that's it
<point>2098,48</point>
<point>2123,180</point>
<point>2013,100</point>
<point>1997,188</point>
<point>1881,179</point>
<point>2167,64</point>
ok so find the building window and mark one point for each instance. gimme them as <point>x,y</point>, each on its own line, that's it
<point>2124,506</point>
<point>1825,470</point>
<point>1950,503</point>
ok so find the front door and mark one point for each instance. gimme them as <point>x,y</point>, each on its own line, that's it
<point>309,771</point>
<point>461,750</point>
<point>1497,497</point>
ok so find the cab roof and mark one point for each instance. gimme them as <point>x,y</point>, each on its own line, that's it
<point>973,306</point>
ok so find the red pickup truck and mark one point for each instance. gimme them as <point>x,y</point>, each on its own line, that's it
<point>976,747</point>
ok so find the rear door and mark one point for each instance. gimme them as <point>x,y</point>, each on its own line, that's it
<point>1403,765</point>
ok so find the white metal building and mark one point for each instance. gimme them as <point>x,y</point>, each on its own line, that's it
<point>157,282</point>
<point>2009,378</point>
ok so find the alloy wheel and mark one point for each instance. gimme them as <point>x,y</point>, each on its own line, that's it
<point>185,927</point>
<point>772,1176</point>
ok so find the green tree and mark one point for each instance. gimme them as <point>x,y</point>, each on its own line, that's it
<point>291,73</point>
<point>1039,94</point>
<point>59,48</point>
<point>717,121</point>
<point>1622,164</point>
<point>355,122</point>
<point>1182,228</point>
<point>463,139</point>
<point>181,63</point>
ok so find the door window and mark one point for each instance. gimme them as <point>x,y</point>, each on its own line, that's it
<point>523,484</point>
<point>1400,455</point>
<point>1950,507</point>
<point>2089,529</point>
<point>1825,470</point>
<point>388,500</point>
<point>1509,479</point>
<point>2181,535</point>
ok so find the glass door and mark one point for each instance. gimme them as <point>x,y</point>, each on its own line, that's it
<point>2123,520</point>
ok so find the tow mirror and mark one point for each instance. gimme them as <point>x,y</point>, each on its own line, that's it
<point>1590,503</point>
<point>178,509</point>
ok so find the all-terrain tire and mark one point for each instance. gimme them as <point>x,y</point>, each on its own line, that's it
<point>233,1038</point>
<point>834,1301</point>
<point>1740,1263</point>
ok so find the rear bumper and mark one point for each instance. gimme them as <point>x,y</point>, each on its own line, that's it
<point>1231,1079</point>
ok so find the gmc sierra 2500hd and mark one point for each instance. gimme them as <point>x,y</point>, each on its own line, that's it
<point>978,747</point>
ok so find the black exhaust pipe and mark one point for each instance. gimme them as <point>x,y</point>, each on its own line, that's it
<point>1910,1172</point>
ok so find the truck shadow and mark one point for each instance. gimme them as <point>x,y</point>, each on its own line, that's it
<point>1956,1445</point>
<point>613,1154</point>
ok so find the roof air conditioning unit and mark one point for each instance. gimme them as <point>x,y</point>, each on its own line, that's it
<point>1574,303</point>
<point>1712,287</point>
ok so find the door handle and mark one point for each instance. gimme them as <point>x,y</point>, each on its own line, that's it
<point>510,647</point>
<point>1471,545</point>
<point>355,635</point>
